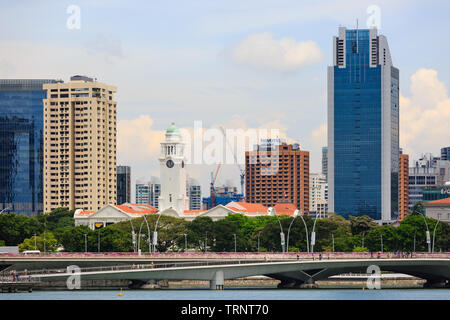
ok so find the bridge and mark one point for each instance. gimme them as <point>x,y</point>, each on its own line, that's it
<point>291,272</point>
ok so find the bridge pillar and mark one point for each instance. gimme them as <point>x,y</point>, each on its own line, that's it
<point>217,282</point>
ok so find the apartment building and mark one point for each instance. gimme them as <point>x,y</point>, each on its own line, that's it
<point>79,144</point>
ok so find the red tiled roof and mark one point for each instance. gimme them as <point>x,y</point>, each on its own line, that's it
<point>441,201</point>
<point>246,207</point>
<point>137,208</point>
<point>285,208</point>
<point>86,213</point>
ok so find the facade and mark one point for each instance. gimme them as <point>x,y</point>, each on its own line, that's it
<point>363,127</point>
<point>277,172</point>
<point>445,154</point>
<point>21,145</point>
<point>79,145</point>
<point>123,184</point>
<point>403,187</point>
<point>110,214</point>
<point>173,198</point>
<point>325,162</point>
<point>148,193</point>
<point>318,194</point>
<point>195,195</point>
<point>438,209</point>
<point>427,172</point>
<point>436,193</point>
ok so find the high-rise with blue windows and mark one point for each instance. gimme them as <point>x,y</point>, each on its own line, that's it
<point>21,145</point>
<point>363,126</point>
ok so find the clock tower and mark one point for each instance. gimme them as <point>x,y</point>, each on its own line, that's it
<point>173,173</point>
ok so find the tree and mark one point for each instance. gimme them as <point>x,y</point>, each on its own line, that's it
<point>361,224</point>
<point>417,209</point>
<point>198,230</point>
<point>51,244</point>
<point>224,240</point>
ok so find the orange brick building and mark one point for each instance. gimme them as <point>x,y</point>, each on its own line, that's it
<point>403,185</point>
<point>277,173</point>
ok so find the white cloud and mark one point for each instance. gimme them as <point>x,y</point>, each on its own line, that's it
<point>262,51</point>
<point>425,116</point>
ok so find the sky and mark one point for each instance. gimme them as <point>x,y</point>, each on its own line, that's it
<point>231,64</point>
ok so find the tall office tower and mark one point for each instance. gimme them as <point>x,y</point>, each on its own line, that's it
<point>445,154</point>
<point>325,162</point>
<point>123,184</point>
<point>318,194</point>
<point>363,127</point>
<point>277,172</point>
<point>403,186</point>
<point>21,145</point>
<point>194,193</point>
<point>79,145</point>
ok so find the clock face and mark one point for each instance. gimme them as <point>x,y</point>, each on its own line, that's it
<point>169,163</point>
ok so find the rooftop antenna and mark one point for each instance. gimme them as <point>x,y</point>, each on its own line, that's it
<point>356,35</point>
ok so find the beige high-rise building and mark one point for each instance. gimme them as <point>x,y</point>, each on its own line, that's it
<point>79,145</point>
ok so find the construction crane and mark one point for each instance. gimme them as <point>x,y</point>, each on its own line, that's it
<point>241,170</point>
<point>212,189</point>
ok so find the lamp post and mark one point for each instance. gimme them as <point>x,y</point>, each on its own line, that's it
<point>7,208</point>
<point>133,236</point>
<point>99,241</point>
<point>155,234</point>
<point>306,231</point>
<point>185,242</point>
<point>332,238</point>
<point>427,234</point>
<point>85,243</point>
<point>289,230</point>
<point>139,236</point>
<point>259,235</point>
<point>381,243</point>
<point>206,240</point>
<point>271,212</point>
<point>235,243</point>
<point>362,244</point>
<point>434,232</point>
<point>414,249</point>
<point>35,246</point>
<point>313,235</point>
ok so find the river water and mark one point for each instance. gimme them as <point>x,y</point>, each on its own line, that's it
<point>237,293</point>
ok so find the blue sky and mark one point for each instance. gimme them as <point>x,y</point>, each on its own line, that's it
<point>178,61</point>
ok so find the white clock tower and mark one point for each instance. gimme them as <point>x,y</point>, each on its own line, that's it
<point>173,173</point>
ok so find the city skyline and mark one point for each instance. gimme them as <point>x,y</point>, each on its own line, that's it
<point>191,53</point>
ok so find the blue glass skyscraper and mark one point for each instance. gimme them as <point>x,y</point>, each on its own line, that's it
<point>21,145</point>
<point>363,126</point>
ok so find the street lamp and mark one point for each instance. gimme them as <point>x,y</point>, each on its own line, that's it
<point>155,233</point>
<point>381,243</point>
<point>362,244</point>
<point>7,208</point>
<point>99,241</point>
<point>306,231</point>
<point>133,236</point>
<point>259,235</point>
<point>206,240</point>
<point>35,247</point>
<point>235,243</point>
<point>332,238</point>
<point>428,234</point>
<point>185,242</point>
<point>85,243</point>
<point>289,230</point>
<point>313,235</point>
<point>271,212</point>
<point>434,232</point>
<point>139,235</point>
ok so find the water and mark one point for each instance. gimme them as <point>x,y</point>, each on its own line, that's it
<point>267,293</point>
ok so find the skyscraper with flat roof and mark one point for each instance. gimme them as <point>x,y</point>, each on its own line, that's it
<point>363,126</point>
<point>21,145</point>
<point>123,184</point>
<point>80,145</point>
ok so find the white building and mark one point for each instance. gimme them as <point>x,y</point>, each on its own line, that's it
<point>318,194</point>
<point>173,199</point>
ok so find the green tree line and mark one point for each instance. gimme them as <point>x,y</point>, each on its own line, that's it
<point>57,231</point>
